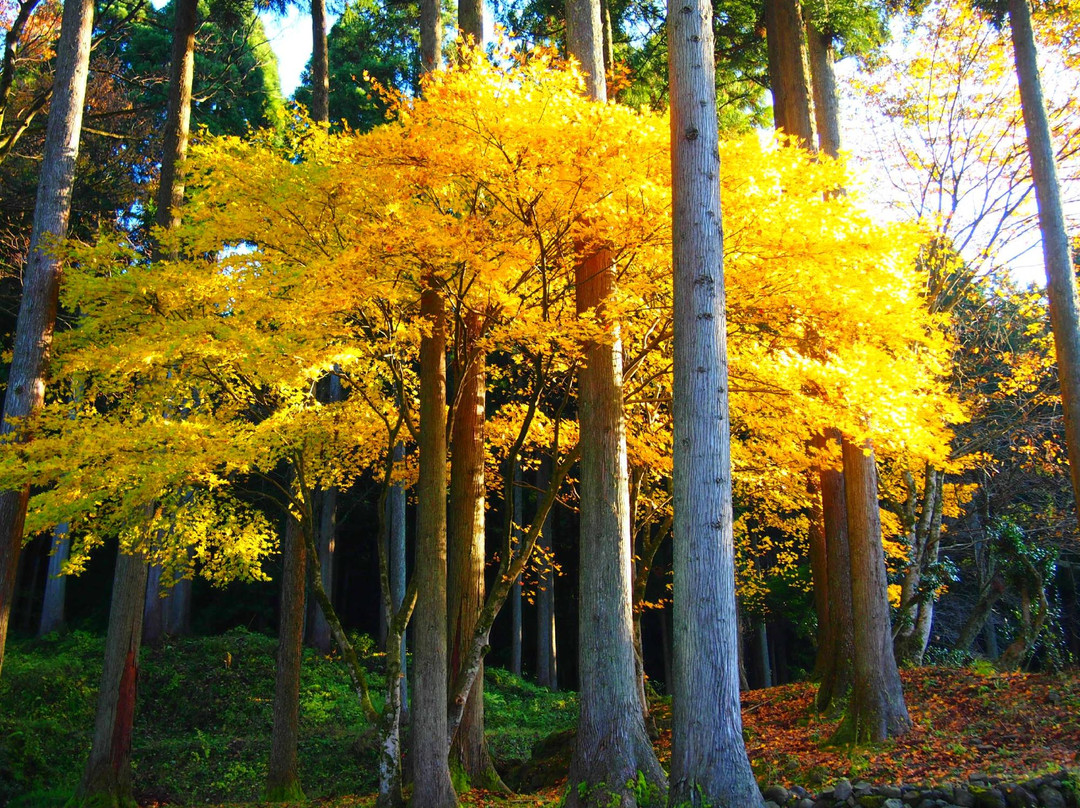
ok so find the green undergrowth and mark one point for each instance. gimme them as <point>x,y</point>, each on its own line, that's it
<point>204,715</point>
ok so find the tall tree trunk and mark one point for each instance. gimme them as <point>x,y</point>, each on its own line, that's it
<point>320,66</point>
<point>1060,274</point>
<point>41,280</point>
<point>106,781</point>
<point>395,519</point>
<point>877,709</point>
<point>789,78</point>
<point>470,763</point>
<point>471,20</point>
<point>546,670</point>
<point>52,608</point>
<point>823,82</point>
<point>432,787</point>
<point>819,573</point>
<point>283,778</point>
<point>709,765</point>
<point>430,35</point>
<point>836,679</point>
<point>516,592</point>
<point>612,750</point>
<point>170,196</point>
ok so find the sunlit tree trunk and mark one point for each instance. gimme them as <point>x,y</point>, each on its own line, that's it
<point>612,748</point>
<point>170,196</point>
<point>430,35</point>
<point>877,709</point>
<point>283,778</point>
<point>471,20</point>
<point>789,78</point>
<point>106,781</point>
<point>1060,274</point>
<point>41,280</point>
<point>709,765</point>
<point>430,745</point>
<point>470,763</point>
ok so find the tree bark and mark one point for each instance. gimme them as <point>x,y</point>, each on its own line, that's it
<point>612,745</point>
<point>170,196</point>
<point>516,591</point>
<point>430,35</point>
<point>823,82</point>
<point>432,786</point>
<point>789,78</point>
<point>283,779</point>
<point>178,608</point>
<point>320,66</point>
<point>106,781</point>
<point>41,280</point>
<point>395,517</point>
<point>546,662</point>
<point>470,763</point>
<point>709,765</point>
<point>1060,274</point>
<point>471,20</point>
<point>612,752</point>
<point>877,709</point>
<point>585,42</point>
<point>819,573</point>
<point>52,608</point>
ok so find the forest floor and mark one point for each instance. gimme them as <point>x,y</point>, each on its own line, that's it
<point>211,749</point>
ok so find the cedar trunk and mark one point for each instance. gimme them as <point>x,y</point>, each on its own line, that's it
<point>877,710</point>
<point>430,746</point>
<point>1060,275</point>
<point>41,280</point>
<point>789,78</point>
<point>106,780</point>
<point>839,672</point>
<point>469,759</point>
<point>283,779</point>
<point>709,765</point>
<point>170,196</point>
<point>612,751</point>
<point>471,20</point>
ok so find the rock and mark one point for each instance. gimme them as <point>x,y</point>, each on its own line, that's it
<point>800,792</point>
<point>1019,797</point>
<point>989,798</point>
<point>861,787</point>
<point>893,802</point>
<point>842,790</point>
<point>870,801</point>
<point>912,796</point>
<point>777,794</point>
<point>962,797</point>
<point>890,792</point>
<point>805,802</point>
<point>1050,797</point>
<point>771,804</point>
